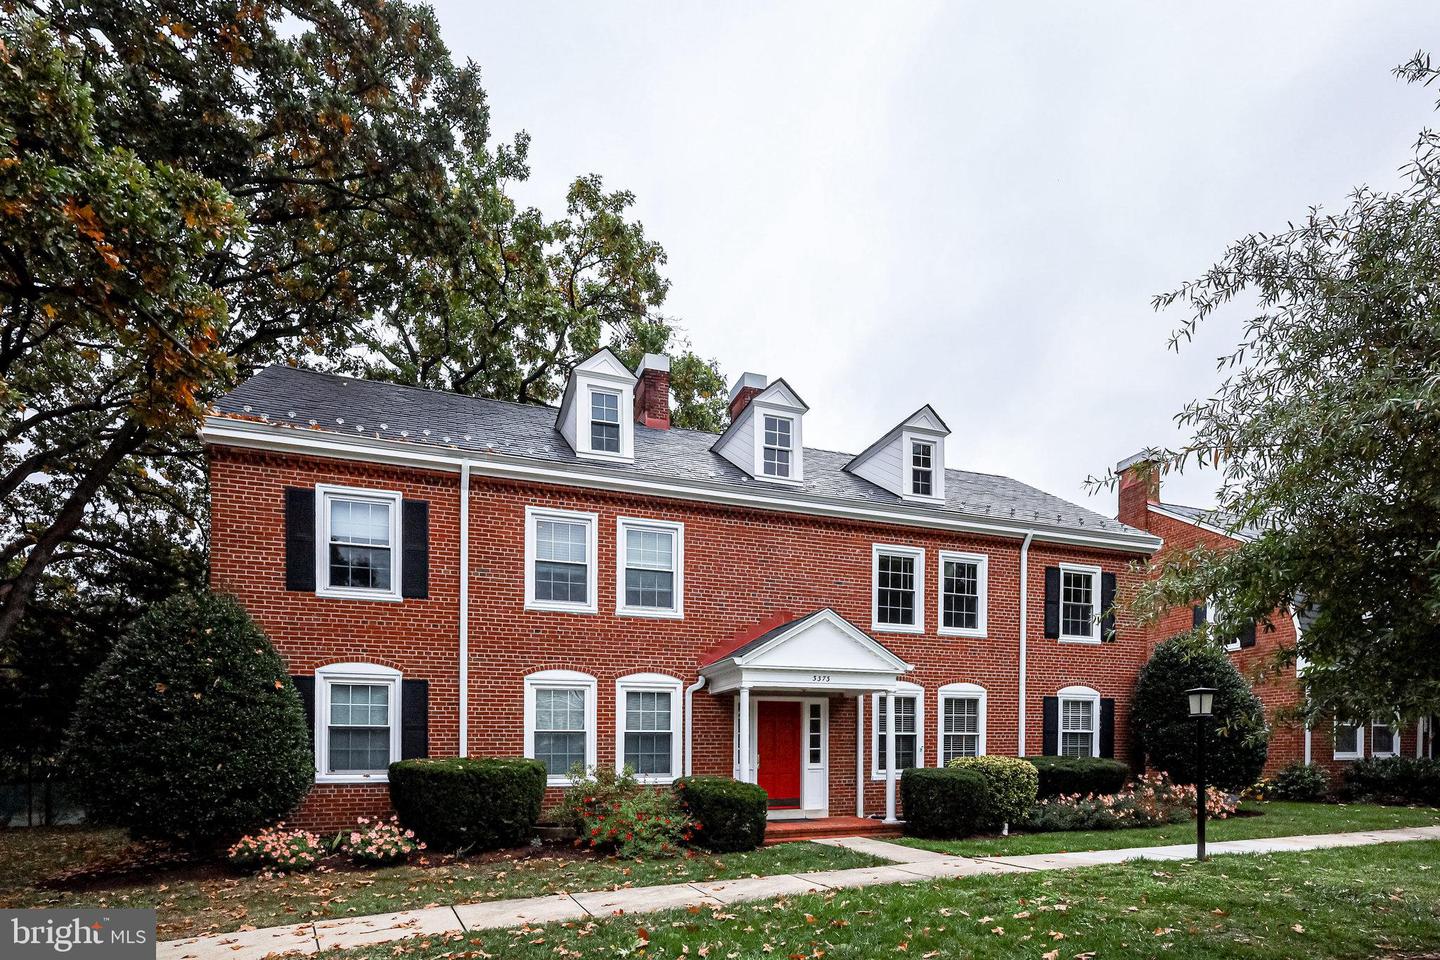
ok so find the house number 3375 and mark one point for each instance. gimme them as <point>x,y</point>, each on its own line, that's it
<point>820,678</point>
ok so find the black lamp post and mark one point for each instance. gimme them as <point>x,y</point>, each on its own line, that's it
<point>1202,702</point>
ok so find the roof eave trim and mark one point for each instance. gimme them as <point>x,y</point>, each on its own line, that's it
<point>254,434</point>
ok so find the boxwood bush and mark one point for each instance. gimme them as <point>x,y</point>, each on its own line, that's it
<point>1060,776</point>
<point>1392,780</point>
<point>469,803</point>
<point>945,803</point>
<point>1014,784</point>
<point>191,730</point>
<point>726,814</point>
<point>1301,781</point>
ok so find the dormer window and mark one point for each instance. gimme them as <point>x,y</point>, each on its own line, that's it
<point>922,468</point>
<point>909,460</point>
<point>605,421</point>
<point>779,446</point>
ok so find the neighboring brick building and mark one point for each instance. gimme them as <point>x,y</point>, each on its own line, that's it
<point>1254,652</point>
<point>609,590</point>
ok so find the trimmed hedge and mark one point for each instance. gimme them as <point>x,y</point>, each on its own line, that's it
<point>727,815</point>
<point>1398,780</point>
<point>1060,776</point>
<point>945,803</point>
<point>469,803</point>
<point>1299,781</point>
<point>1014,785</point>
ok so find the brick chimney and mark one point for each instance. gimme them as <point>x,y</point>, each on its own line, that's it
<point>744,391</point>
<point>1139,486</point>
<point>652,393</point>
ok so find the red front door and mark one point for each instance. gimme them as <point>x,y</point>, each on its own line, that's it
<point>777,747</point>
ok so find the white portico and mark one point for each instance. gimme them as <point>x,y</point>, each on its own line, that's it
<point>783,681</point>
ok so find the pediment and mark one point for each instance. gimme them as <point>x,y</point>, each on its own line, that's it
<point>823,641</point>
<point>605,363</point>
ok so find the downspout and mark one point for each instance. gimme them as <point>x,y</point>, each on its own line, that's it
<point>464,608</point>
<point>1024,627</point>
<point>689,722</point>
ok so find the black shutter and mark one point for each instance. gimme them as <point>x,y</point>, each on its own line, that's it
<point>1052,602</point>
<point>1107,607</point>
<point>306,687</point>
<point>1107,727</point>
<point>1050,742</point>
<point>1247,636</point>
<point>414,719</point>
<point>415,549</point>
<point>299,538</point>
<point>1197,616</point>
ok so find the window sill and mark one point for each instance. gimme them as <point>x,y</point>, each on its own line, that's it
<point>603,456</point>
<point>339,593</point>
<point>353,778</point>
<point>649,614</point>
<point>895,628</point>
<point>655,781</point>
<point>544,607</point>
<point>979,634</point>
<point>1346,757</point>
<point>1085,641</point>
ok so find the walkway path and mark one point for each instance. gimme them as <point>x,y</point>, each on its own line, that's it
<point>908,865</point>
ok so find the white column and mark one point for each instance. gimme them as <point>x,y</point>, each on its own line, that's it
<point>890,758</point>
<point>860,754</point>
<point>744,746</point>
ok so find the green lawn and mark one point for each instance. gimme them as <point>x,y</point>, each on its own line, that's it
<point>1358,902</point>
<point>1275,819</point>
<point>214,900</point>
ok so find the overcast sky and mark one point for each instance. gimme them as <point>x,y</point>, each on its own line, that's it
<point>968,205</point>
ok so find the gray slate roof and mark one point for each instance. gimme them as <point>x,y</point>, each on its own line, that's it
<point>351,407</point>
<point>1213,517</point>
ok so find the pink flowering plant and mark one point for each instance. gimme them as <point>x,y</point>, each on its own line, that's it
<point>378,842</point>
<point>276,848</point>
<point>1153,800</point>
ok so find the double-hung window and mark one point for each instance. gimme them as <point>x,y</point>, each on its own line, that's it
<point>1079,722</point>
<point>1384,740</point>
<point>357,729</point>
<point>962,721</point>
<point>651,565</point>
<point>779,446</point>
<point>647,726</point>
<point>559,560</point>
<point>560,722</point>
<point>1349,741</point>
<point>605,421</point>
<point>897,589</point>
<point>922,468</point>
<point>1079,603</point>
<point>963,588</point>
<point>909,721</point>
<point>359,534</point>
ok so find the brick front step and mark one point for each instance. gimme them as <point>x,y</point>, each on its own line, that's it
<point>788,831</point>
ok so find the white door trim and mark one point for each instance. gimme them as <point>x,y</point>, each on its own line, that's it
<point>814,778</point>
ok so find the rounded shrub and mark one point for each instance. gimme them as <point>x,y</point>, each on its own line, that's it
<point>1160,716</point>
<point>1014,784</point>
<point>726,815</point>
<point>1064,776</point>
<point>1305,782</point>
<point>469,803</point>
<point>945,803</point>
<point>190,730</point>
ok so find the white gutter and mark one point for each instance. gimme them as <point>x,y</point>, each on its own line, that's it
<point>272,436</point>
<point>464,607</point>
<point>1024,627</point>
<point>689,718</point>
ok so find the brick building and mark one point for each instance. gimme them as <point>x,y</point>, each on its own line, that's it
<point>584,584</point>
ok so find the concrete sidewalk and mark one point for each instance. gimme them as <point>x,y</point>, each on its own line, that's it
<point>908,865</point>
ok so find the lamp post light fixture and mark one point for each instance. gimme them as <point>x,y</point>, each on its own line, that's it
<point>1202,703</point>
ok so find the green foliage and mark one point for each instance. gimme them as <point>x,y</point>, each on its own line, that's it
<point>191,730</point>
<point>726,815</point>
<point>1014,784</point>
<point>945,803</point>
<point>614,811</point>
<point>1306,782</point>
<point>469,803</point>
<point>1399,780</point>
<point>1061,776</point>
<point>1160,715</point>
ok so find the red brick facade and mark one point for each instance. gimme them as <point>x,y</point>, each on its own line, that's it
<point>740,567</point>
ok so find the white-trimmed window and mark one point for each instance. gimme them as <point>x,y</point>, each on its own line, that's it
<point>605,421</point>
<point>1079,722</point>
<point>909,725</point>
<point>897,589</point>
<point>1349,741</point>
<point>650,568</point>
<point>357,722</point>
<point>560,722</point>
<point>1384,740</point>
<point>359,536</point>
<point>960,722</point>
<point>963,589</point>
<point>778,450</point>
<point>647,726</point>
<point>922,468</point>
<point>1079,603</point>
<point>559,560</point>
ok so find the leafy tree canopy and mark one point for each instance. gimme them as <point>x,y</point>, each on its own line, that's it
<point>1326,432</point>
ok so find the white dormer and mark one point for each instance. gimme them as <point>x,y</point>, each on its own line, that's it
<point>766,437</point>
<point>596,414</point>
<point>909,461</point>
